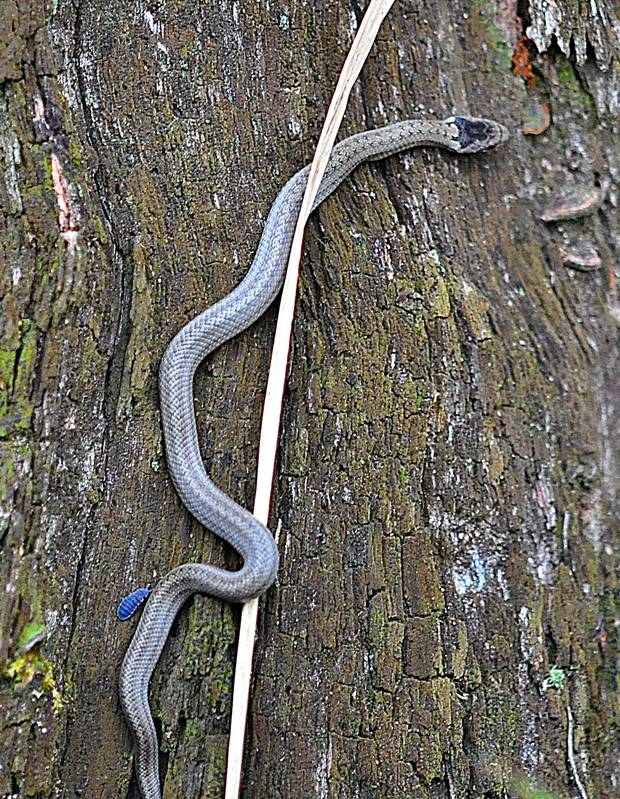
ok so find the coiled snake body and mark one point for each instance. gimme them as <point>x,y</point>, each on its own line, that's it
<point>190,346</point>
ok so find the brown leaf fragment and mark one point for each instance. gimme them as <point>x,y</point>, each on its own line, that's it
<point>584,258</point>
<point>582,202</point>
<point>538,118</point>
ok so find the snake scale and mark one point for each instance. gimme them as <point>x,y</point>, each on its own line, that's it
<point>204,500</point>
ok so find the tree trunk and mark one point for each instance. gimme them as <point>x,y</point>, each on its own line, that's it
<point>446,502</point>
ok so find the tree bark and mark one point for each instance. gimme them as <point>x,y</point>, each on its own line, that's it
<point>447,495</point>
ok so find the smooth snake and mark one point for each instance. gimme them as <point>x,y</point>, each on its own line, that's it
<point>204,500</point>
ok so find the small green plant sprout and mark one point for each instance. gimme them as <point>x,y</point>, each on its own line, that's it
<point>29,663</point>
<point>155,465</point>
<point>524,790</point>
<point>555,679</point>
<point>32,635</point>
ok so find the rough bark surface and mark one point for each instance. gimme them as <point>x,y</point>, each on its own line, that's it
<point>444,620</point>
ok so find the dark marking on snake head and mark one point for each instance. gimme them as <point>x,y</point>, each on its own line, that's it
<point>131,603</point>
<point>478,134</point>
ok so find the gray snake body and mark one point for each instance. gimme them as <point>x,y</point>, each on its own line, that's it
<point>207,503</point>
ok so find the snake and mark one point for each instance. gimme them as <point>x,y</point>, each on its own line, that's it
<point>215,510</point>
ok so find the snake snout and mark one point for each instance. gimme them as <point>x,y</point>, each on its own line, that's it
<point>474,135</point>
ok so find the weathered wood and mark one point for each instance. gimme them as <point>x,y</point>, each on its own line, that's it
<point>447,496</point>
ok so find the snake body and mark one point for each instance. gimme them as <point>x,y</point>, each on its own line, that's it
<point>205,501</point>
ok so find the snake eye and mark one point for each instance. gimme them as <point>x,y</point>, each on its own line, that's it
<point>477,134</point>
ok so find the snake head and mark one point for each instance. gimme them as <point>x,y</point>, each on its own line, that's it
<point>472,135</point>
